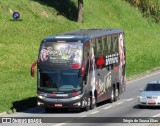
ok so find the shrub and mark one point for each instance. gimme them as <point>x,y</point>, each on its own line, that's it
<point>149,8</point>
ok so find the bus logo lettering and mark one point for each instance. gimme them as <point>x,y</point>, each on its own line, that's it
<point>111,59</point>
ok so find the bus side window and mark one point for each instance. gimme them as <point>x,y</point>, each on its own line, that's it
<point>86,53</point>
<point>114,43</point>
<point>94,45</point>
<point>99,46</point>
<point>109,44</point>
<point>105,46</point>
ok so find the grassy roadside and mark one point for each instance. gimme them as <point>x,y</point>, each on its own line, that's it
<point>20,40</point>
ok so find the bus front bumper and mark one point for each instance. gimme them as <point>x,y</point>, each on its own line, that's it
<point>74,102</point>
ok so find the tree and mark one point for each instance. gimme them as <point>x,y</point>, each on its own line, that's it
<point>80,11</point>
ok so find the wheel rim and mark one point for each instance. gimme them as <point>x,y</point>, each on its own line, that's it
<point>89,101</point>
<point>112,95</point>
<point>117,93</point>
<point>93,100</point>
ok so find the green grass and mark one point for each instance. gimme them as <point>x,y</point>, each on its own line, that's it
<point>149,8</point>
<point>19,42</point>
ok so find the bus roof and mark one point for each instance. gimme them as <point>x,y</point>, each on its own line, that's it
<point>82,35</point>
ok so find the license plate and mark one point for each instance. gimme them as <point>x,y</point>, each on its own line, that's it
<point>151,102</point>
<point>58,105</point>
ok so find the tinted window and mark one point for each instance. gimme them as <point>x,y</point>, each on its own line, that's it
<point>99,46</point>
<point>114,43</point>
<point>152,87</point>
<point>104,46</point>
<point>86,52</point>
<point>61,80</point>
<point>93,42</point>
<point>109,44</point>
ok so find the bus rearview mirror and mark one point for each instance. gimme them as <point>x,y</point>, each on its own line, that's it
<point>83,69</point>
<point>32,68</point>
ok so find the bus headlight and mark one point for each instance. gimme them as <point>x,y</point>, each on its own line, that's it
<point>40,103</point>
<point>76,97</point>
<point>78,103</point>
<point>40,97</point>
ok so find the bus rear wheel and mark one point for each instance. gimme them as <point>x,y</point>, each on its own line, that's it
<point>93,102</point>
<point>111,100</point>
<point>116,94</point>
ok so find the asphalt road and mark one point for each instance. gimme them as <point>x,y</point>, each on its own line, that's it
<point>125,107</point>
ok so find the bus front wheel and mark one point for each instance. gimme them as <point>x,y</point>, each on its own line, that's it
<point>88,104</point>
<point>47,109</point>
<point>112,96</point>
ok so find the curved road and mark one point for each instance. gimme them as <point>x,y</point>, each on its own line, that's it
<point>125,107</point>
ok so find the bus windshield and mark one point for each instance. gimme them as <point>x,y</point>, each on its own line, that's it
<point>60,80</point>
<point>52,53</point>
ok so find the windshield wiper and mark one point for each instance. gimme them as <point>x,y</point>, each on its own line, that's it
<point>70,88</point>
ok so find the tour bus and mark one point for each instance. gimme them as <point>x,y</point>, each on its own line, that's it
<point>81,68</point>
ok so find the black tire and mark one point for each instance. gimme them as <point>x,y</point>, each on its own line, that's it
<point>87,108</point>
<point>141,106</point>
<point>93,103</point>
<point>48,110</point>
<point>111,100</point>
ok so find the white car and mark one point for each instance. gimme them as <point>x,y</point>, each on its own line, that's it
<point>150,96</point>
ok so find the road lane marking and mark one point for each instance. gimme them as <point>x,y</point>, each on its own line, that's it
<point>60,124</point>
<point>83,115</point>
<point>143,77</point>
<point>107,107</point>
<point>119,103</point>
<point>94,112</point>
<point>156,115</point>
<point>130,99</point>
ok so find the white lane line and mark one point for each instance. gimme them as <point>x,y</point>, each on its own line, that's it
<point>107,107</point>
<point>83,115</point>
<point>94,112</point>
<point>143,77</point>
<point>60,124</point>
<point>119,103</point>
<point>156,115</point>
<point>130,99</point>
